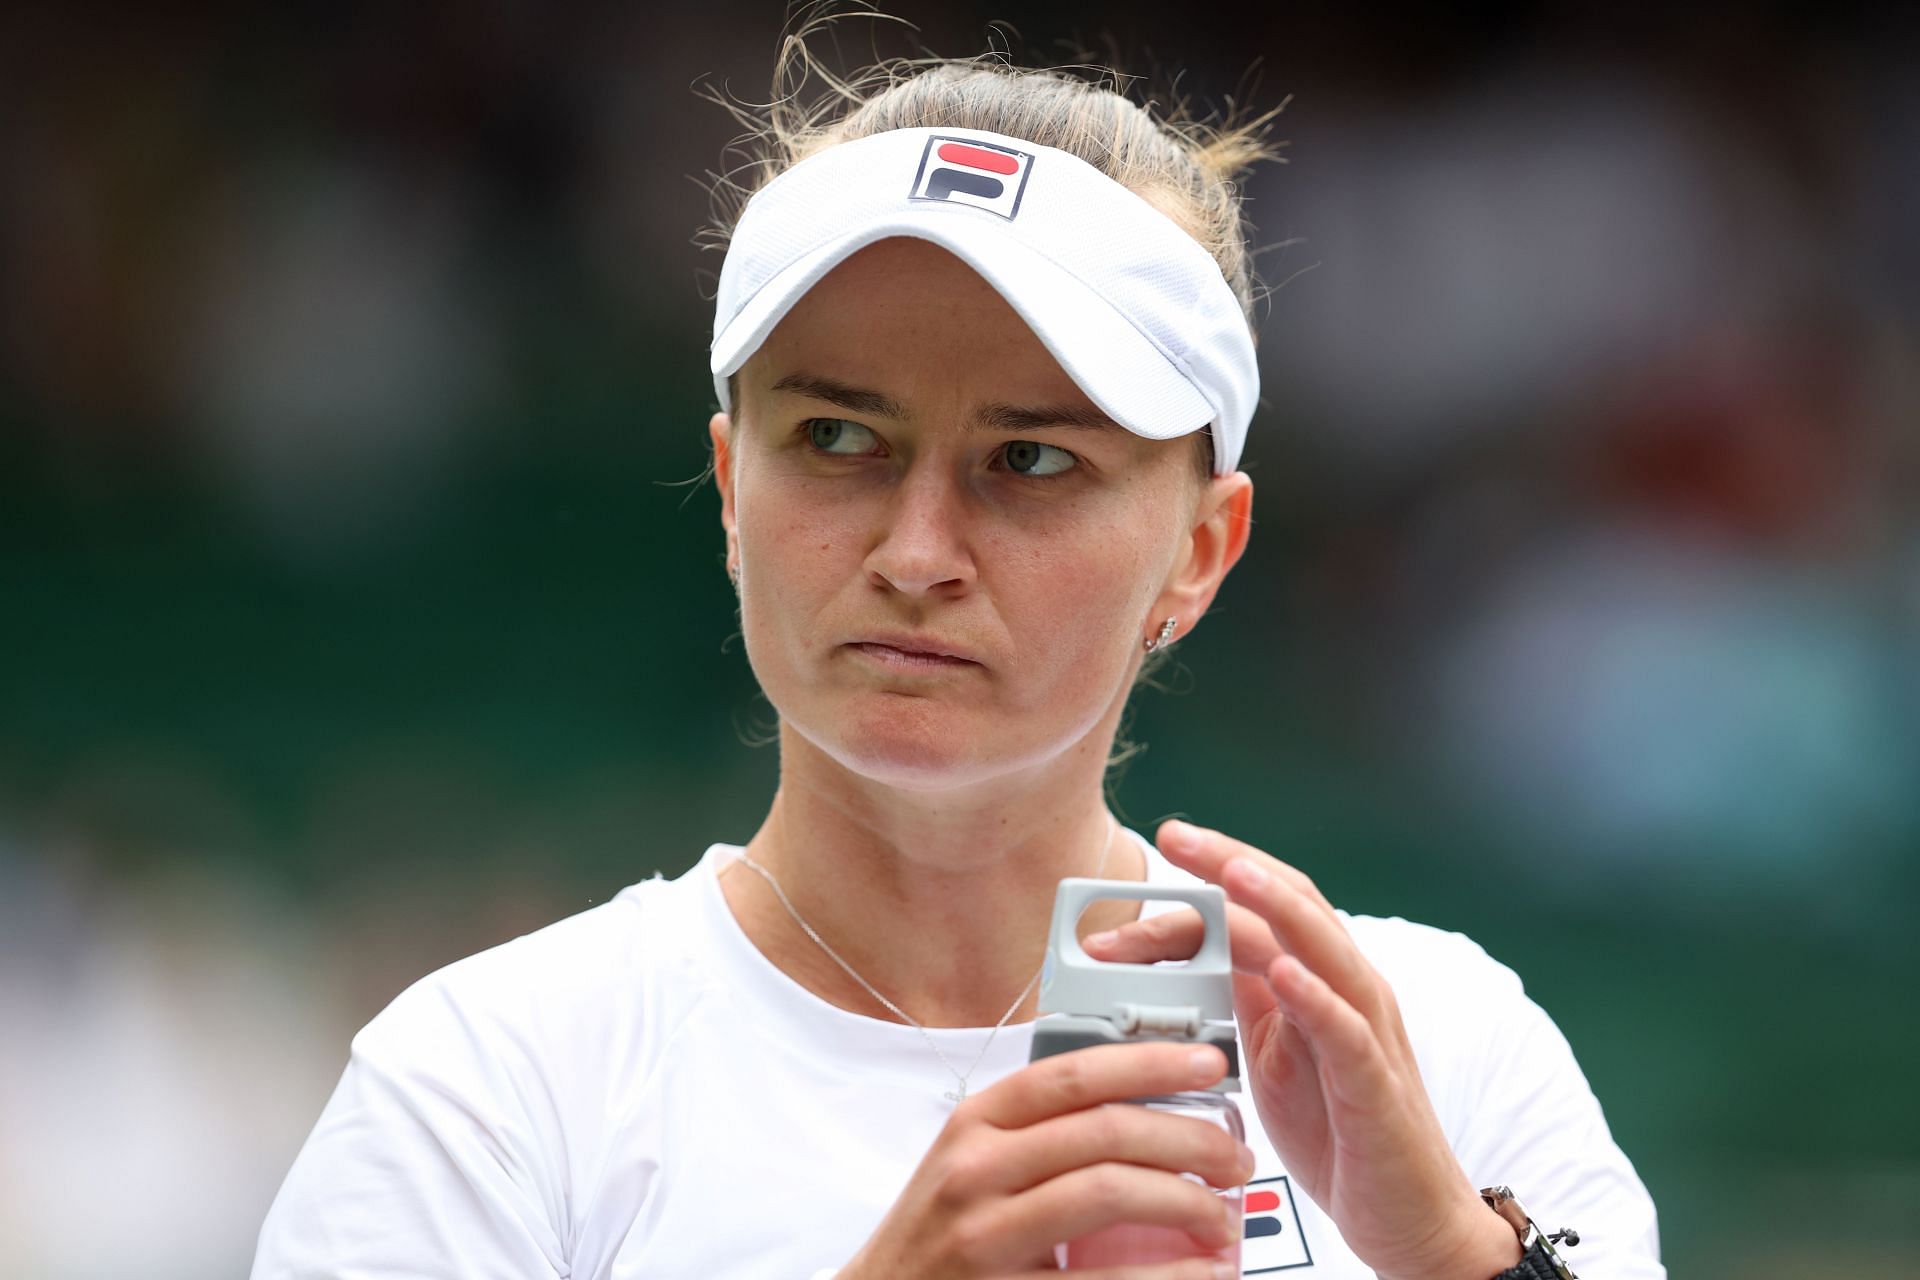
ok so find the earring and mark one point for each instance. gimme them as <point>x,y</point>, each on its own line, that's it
<point>733,573</point>
<point>1167,628</point>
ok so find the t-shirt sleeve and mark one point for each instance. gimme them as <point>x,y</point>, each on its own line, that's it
<point>1515,1103</point>
<point>424,1163</point>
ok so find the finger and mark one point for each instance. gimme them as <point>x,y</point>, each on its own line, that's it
<point>1120,1133</point>
<point>1253,1005</point>
<point>1354,1063</point>
<point>1176,935</point>
<point>1318,940</point>
<point>1085,1078</point>
<point>1086,1200</point>
<point>1206,853</point>
<point>1186,1269</point>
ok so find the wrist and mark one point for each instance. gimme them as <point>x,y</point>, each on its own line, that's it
<point>1495,1249</point>
<point>1538,1258</point>
<point>1485,1246</point>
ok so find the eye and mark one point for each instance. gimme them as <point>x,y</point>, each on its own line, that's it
<point>837,435</point>
<point>1031,458</point>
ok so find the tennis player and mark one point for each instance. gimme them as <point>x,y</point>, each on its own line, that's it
<point>985,371</point>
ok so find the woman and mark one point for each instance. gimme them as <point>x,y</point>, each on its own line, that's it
<point>985,372</point>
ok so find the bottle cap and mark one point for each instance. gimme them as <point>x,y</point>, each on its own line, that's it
<point>1085,1002</point>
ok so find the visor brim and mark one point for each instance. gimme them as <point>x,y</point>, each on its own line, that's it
<point>1123,371</point>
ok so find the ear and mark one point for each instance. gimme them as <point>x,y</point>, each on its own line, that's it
<point>720,431</point>
<point>1221,522</point>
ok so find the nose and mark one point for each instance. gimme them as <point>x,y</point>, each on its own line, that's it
<point>922,548</point>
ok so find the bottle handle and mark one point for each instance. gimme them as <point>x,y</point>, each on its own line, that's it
<point>1075,982</point>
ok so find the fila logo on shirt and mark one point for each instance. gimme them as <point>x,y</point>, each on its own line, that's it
<point>1273,1240</point>
<point>980,174</point>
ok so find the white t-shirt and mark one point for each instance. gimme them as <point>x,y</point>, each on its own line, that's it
<point>636,1091</point>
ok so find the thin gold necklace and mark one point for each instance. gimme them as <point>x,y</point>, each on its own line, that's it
<point>959,1094</point>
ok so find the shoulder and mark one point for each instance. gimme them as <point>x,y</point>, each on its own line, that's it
<point>470,1126</point>
<point>596,983</point>
<point>1432,965</point>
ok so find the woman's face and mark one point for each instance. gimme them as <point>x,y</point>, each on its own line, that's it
<point>948,555</point>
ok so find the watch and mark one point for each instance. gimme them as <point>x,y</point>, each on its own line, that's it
<point>1539,1260</point>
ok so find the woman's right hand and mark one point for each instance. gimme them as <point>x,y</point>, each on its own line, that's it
<point>1037,1159</point>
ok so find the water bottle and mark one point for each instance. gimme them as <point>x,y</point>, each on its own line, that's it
<point>1085,1002</point>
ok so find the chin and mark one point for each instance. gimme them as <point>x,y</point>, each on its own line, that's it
<point>914,744</point>
<point>916,747</point>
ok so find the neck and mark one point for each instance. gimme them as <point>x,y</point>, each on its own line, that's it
<point>941,900</point>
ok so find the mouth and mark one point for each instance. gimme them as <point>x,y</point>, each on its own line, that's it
<point>911,655</point>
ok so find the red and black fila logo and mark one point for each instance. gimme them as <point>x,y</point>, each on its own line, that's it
<point>962,171</point>
<point>1272,1239</point>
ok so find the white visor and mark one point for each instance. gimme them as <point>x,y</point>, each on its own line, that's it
<point>1132,307</point>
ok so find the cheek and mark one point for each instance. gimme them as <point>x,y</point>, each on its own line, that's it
<point>1075,607</point>
<point>796,555</point>
<point>780,522</point>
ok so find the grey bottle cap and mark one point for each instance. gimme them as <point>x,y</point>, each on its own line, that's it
<point>1084,1001</point>
<point>1074,982</point>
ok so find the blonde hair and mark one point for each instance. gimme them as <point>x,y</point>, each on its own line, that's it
<point>1186,164</point>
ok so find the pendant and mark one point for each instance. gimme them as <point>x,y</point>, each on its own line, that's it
<point>956,1096</point>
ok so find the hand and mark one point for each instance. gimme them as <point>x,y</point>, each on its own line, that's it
<point>1329,1066</point>
<point>1038,1159</point>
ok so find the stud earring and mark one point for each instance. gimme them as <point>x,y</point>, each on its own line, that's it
<point>1160,641</point>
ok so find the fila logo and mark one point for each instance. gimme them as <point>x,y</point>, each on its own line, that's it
<point>1273,1239</point>
<point>962,171</point>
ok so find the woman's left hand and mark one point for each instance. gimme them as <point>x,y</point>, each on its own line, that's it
<point>1328,1063</point>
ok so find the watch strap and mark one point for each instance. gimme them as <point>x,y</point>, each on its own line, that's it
<point>1535,1264</point>
<point>1539,1260</point>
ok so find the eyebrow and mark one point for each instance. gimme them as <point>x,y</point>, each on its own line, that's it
<point>993,417</point>
<point>852,399</point>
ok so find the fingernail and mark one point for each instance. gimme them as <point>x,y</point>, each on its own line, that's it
<point>1246,1162</point>
<point>1179,836</point>
<point>1206,1063</point>
<point>1225,1271</point>
<point>1104,939</point>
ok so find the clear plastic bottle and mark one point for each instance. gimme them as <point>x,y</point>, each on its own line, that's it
<point>1086,1002</point>
<point>1130,1242</point>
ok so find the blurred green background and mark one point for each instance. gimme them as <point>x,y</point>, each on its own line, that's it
<point>355,612</point>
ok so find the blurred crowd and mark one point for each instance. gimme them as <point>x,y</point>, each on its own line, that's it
<point>1588,481</point>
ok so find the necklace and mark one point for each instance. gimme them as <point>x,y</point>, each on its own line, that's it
<point>955,1095</point>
